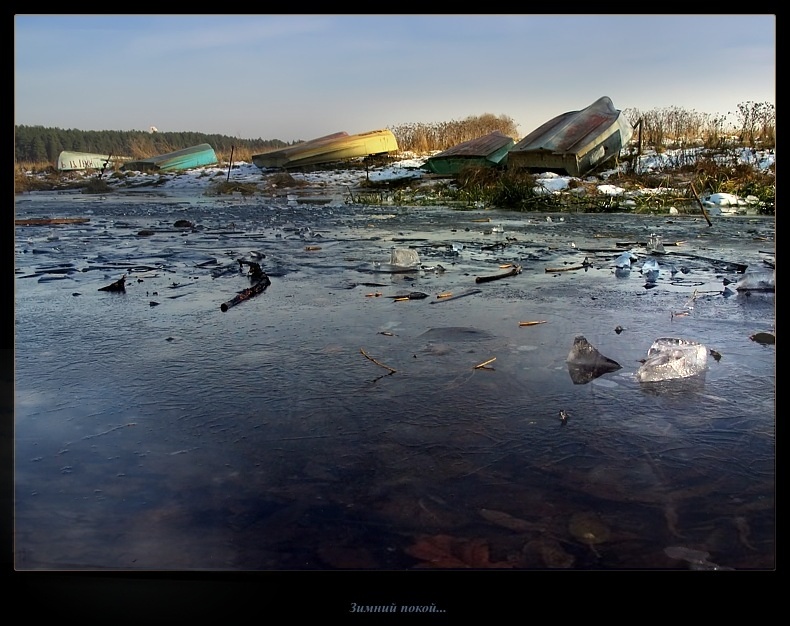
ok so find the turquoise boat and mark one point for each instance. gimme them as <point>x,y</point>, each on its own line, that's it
<point>489,150</point>
<point>188,158</point>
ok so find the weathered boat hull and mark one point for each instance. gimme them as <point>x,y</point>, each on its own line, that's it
<point>188,158</point>
<point>71,161</point>
<point>574,142</point>
<point>328,149</point>
<point>283,156</point>
<point>487,151</point>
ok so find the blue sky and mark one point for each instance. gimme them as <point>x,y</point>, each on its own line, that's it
<point>295,77</point>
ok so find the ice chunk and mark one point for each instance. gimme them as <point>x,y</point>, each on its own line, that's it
<point>625,260</point>
<point>670,358</point>
<point>655,245</point>
<point>757,281</point>
<point>404,257</point>
<point>650,270</point>
<point>585,363</point>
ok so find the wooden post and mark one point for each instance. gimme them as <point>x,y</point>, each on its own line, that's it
<point>701,206</point>
<point>230,164</point>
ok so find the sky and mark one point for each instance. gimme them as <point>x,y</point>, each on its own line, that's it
<point>298,77</point>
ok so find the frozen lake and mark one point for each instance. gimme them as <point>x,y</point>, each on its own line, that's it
<point>328,424</point>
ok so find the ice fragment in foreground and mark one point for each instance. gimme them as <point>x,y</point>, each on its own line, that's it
<point>625,260</point>
<point>650,270</point>
<point>404,257</point>
<point>757,281</point>
<point>670,358</point>
<point>585,363</point>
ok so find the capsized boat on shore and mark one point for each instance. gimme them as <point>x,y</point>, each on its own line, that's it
<point>328,149</point>
<point>69,160</point>
<point>487,151</point>
<point>283,156</point>
<point>575,142</point>
<point>188,158</point>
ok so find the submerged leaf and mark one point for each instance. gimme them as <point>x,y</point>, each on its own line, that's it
<point>444,551</point>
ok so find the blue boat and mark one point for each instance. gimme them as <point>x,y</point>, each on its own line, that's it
<point>188,158</point>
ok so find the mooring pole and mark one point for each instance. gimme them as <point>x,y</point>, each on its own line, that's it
<point>230,165</point>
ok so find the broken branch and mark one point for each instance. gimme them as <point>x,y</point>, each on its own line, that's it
<point>370,358</point>
<point>564,269</point>
<point>484,279</point>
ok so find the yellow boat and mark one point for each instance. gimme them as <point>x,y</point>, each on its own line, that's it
<point>329,148</point>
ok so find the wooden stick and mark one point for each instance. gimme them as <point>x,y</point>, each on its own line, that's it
<point>484,363</point>
<point>531,323</point>
<point>46,221</point>
<point>701,206</point>
<point>248,293</point>
<point>460,295</point>
<point>484,279</point>
<point>564,269</point>
<point>370,358</point>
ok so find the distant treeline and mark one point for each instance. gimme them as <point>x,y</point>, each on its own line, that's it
<point>39,144</point>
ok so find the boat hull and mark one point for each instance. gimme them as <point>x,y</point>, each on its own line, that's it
<point>188,158</point>
<point>72,161</point>
<point>487,151</point>
<point>575,142</point>
<point>328,149</point>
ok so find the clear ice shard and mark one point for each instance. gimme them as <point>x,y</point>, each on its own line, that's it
<point>757,281</point>
<point>404,257</point>
<point>670,358</point>
<point>625,260</point>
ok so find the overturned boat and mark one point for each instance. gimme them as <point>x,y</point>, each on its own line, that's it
<point>330,148</point>
<point>489,150</point>
<point>69,161</point>
<point>188,158</point>
<point>575,142</point>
